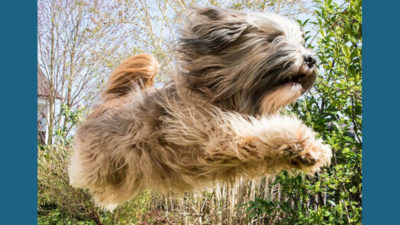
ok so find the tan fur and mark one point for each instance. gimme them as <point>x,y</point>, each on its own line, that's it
<point>193,131</point>
<point>138,70</point>
<point>279,97</point>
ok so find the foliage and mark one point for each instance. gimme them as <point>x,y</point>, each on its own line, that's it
<point>54,191</point>
<point>333,109</point>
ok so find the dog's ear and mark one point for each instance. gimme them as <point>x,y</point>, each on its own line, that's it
<point>211,30</point>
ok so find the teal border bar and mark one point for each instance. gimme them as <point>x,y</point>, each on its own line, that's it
<point>381,111</point>
<point>18,91</point>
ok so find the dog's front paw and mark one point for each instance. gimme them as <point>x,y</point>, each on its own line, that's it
<point>312,156</point>
<point>292,145</point>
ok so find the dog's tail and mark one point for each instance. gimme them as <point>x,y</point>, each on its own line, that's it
<point>137,71</point>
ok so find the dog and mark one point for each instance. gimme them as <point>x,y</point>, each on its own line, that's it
<point>216,120</point>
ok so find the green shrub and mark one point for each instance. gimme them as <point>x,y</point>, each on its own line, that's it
<point>60,203</point>
<point>57,200</point>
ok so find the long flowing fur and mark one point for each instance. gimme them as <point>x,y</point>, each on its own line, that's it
<point>138,70</point>
<point>215,121</point>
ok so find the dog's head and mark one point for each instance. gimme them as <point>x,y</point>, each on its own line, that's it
<point>247,62</point>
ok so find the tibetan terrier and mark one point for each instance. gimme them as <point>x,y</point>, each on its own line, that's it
<point>216,120</point>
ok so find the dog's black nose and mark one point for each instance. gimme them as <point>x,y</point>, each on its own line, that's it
<point>310,60</point>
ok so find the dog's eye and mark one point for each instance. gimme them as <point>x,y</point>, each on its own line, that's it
<point>273,38</point>
<point>270,39</point>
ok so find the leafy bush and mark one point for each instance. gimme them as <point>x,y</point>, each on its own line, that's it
<point>56,198</point>
<point>60,203</point>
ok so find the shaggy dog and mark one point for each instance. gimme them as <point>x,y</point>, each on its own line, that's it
<point>218,119</point>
